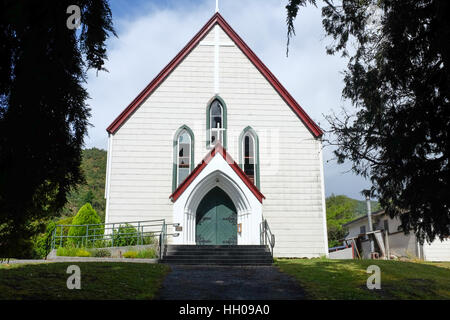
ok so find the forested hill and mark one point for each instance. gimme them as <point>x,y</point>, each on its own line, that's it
<point>94,168</point>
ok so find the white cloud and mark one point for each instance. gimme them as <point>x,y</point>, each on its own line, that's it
<point>149,40</point>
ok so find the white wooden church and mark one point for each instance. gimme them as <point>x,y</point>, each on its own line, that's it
<point>216,144</point>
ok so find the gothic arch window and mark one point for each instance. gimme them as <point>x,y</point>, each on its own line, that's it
<point>249,154</point>
<point>183,155</point>
<point>216,123</point>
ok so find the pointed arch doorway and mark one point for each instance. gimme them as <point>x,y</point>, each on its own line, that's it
<point>216,219</point>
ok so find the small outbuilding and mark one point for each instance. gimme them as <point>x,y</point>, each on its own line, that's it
<point>397,243</point>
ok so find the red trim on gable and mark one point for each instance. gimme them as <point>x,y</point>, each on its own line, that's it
<point>310,124</point>
<point>217,150</point>
<point>217,18</point>
<point>160,77</point>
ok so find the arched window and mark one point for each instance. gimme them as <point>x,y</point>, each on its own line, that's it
<point>183,155</point>
<point>216,123</point>
<point>249,154</point>
<point>249,157</point>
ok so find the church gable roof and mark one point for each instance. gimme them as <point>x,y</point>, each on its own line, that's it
<point>217,150</point>
<point>216,18</point>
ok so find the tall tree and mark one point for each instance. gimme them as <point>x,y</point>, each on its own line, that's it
<point>340,210</point>
<point>398,79</point>
<point>43,109</point>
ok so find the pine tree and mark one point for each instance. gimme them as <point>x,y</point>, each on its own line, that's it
<point>398,79</point>
<point>43,110</point>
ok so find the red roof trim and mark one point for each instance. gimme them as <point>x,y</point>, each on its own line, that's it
<point>161,76</point>
<point>217,150</point>
<point>217,18</point>
<point>310,124</point>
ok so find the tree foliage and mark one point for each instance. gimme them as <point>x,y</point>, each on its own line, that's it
<point>43,110</point>
<point>340,210</point>
<point>398,80</point>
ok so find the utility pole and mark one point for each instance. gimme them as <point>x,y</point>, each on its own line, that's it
<point>369,218</point>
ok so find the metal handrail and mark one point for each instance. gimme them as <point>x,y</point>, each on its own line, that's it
<point>105,237</point>
<point>162,240</point>
<point>142,232</point>
<point>267,236</point>
<point>110,223</point>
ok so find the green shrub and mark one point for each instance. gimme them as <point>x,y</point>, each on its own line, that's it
<point>66,222</point>
<point>67,251</point>
<point>101,253</point>
<point>86,215</point>
<point>39,247</point>
<point>125,235</point>
<point>64,232</point>
<point>72,252</point>
<point>22,248</point>
<point>149,239</point>
<point>83,253</point>
<point>101,243</point>
<point>130,254</point>
<point>142,254</point>
<point>43,243</point>
<point>147,254</point>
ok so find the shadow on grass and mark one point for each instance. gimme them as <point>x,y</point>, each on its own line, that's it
<point>99,280</point>
<point>346,279</point>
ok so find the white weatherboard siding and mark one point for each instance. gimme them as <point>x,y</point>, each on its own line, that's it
<point>288,152</point>
<point>437,251</point>
<point>290,166</point>
<point>355,228</point>
<point>141,165</point>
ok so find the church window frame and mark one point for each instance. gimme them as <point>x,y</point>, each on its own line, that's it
<point>184,130</point>
<point>251,134</point>
<point>221,131</point>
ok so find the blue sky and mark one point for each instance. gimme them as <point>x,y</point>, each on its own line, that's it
<point>151,33</point>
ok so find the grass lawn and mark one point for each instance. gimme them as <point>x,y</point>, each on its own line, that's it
<point>99,280</point>
<point>346,279</point>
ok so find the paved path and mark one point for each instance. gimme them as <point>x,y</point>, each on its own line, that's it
<point>23,261</point>
<point>80,259</point>
<point>229,283</point>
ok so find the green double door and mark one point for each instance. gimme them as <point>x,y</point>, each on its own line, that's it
<point>216,219</point>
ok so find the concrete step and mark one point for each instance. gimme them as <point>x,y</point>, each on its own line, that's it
<point>187,246</point>
<point>213,248</point>
<point>218,263</point>
<point>209,251</point>
<point>217,255</point>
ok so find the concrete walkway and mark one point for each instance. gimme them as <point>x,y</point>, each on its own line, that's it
<point>80,259</point>
<point>23,261</point>
<point>229,283</point>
